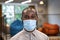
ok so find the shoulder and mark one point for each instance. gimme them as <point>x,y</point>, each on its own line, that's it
<point>18,35</point>
<point>44,36</point>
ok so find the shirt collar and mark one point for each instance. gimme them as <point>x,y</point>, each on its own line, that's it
<point>33,33</point>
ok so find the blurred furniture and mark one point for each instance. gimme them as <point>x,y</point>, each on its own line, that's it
<point>54,38</point>
<point>16,27</point>
<point>49,29</point>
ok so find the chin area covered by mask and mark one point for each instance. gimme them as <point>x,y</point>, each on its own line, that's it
<point>29,25</point>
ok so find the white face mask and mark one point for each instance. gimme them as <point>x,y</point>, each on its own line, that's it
<point>29,25</point>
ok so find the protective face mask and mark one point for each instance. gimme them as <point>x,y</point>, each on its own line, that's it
<point>29,25</point>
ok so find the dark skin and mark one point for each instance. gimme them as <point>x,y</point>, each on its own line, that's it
<point>29,15</point>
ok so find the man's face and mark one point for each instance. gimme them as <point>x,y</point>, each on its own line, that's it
<point>29,18</point>
<point>29,15</point>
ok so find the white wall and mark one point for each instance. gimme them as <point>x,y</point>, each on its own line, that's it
<point>54,8</point>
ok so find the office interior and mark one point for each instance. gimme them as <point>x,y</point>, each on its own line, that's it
<point>48,12</point>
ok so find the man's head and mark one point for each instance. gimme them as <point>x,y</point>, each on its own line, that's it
<point>29,17</point>
<point>29,13</point>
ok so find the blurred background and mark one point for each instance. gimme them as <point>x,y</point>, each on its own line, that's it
<point>48,17</point>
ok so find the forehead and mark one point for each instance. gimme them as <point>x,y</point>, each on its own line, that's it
<point>29,11</point>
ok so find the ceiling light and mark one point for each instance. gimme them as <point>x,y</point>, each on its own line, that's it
<point>41,2</point>
<point>26,2</point>
<point>9,1</point>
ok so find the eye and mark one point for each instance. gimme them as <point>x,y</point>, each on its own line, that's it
<point>32,16</point>
<point>26,16</point>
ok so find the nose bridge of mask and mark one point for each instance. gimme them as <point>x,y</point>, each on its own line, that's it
<point>30,22</point>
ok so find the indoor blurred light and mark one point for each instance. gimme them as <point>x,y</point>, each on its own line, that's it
<point>9,1</point>
<point>41,2</point>
<point>7,25</point>
<point>28,1</point>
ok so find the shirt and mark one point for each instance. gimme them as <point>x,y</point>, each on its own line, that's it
<point>35,35</point>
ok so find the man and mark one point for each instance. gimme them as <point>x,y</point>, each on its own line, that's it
<point>29,17</point>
